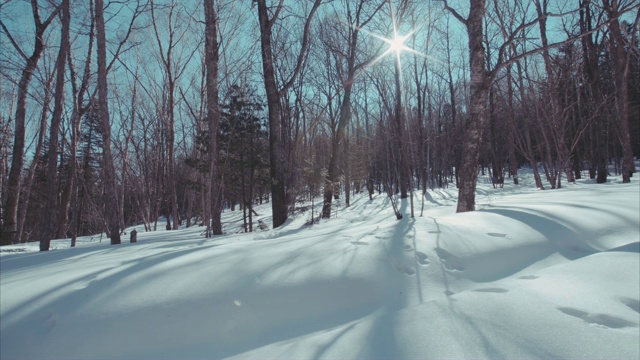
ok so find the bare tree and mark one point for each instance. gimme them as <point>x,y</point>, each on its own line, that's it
<point>348,66</point>
<point>56,119</point>
<point>174,63</point>
<point>28,182</point>
<point>8,231</point>
<point>478,111</point>
<point>274,97</point>
<point>109,173</point>
<point>213,198</point>
<point>79,91</point>
<point>621,61</point>
<point>481,79</point>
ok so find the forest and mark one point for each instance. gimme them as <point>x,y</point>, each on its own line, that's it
<point>119,113</point>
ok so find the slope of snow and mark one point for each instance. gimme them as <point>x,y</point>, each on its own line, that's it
<point>531,274</point>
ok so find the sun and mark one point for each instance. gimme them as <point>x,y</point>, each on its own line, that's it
<point>396,44</point>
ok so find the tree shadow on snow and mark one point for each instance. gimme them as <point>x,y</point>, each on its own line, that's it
<point>565,241</point>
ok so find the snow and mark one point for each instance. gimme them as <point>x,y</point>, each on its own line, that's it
<point>530,274</point>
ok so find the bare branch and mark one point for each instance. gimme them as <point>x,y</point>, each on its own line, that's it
<point>13,42</point>
<point>454,12</point>
<point>305,45</point>
<point>277,13</point>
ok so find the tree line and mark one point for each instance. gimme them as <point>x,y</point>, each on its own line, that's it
<point>121,113</point>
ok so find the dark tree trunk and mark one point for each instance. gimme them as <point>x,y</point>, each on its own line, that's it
<point>276,158</point>
<point>28,186</point>
<point>8,232</point>
<point>478,117</point>
<point>54,131</point>
<point>557,116</point>
<point>621,80</point>
<point>109,173</point>
<point>274,96</point>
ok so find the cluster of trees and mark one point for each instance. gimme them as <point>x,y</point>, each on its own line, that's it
<point>118,113</point>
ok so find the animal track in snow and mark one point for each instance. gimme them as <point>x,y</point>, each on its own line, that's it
<point>449,261</point>
<point>491,290</point>
<point>359,242</point>
<point>528,277</point>
<point>399,266</point>
<point>422,258</point>
<point>605,320</point>
<point>407,247</point>
<point>404,269</point>
<point>496,234</point>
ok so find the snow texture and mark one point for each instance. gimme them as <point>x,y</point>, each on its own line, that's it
<point>531,274</point>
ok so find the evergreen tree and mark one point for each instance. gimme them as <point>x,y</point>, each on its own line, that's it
<point>243,148</point>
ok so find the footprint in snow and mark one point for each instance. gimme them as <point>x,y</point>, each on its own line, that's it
<point>496,234</point>
<point>358,242</point>
<point>528,277</point>
<point>491,290</point>
<point>422,258</point>
<point>407,247</point>
<point>605,320</point>
<point>402,268</point>
<point>449,261</point>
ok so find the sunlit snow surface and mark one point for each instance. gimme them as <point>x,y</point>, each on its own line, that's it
<point>531,274</point>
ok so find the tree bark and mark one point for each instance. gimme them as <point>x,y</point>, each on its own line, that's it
<point>214,224</point>
<point>274,96</point>
<point>399,133</point>
<point>557,118</point>
<point>109,173</point>
<point>54,130</point>
<point>278,203</point>
<point>478,117</point>
<point>621,80</point>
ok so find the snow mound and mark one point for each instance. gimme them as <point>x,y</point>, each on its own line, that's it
<point>531,274</point>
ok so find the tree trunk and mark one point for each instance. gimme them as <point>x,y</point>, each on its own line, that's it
<point>621,80</point>
<point>109,173</point>
<point>336,144</point>
<point>478,116</point>
<point>214,223</point>
<point>399,134</point>
<point>54,131</point>
<point>278,203</point>
<point>8,232</point>
<point>513,163</point>
<point>171,161</point>
<point>22,209</point>
<point>558,121</point>
<point>274,96</point>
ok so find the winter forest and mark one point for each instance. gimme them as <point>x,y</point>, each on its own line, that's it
<point>121,113</point>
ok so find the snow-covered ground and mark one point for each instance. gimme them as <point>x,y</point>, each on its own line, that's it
<point>531,274</point>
